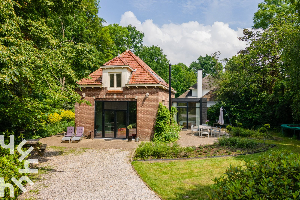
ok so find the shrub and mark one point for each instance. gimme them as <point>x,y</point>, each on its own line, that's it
<point>241,132</point>
<point>67,115</point>
<point>166,129</point>
<point>236,142</point>
<point>229,128</point>
<point>54,118</point>
<point>273,176</point>
<point>9,167</point>
<point>148,150</point>
<point>53,129</point>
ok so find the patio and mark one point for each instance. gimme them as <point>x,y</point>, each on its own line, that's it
<point>186,139</point>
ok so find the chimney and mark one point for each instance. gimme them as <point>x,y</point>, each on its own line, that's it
<point>199,84</point>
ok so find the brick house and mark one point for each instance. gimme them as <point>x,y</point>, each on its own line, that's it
<point>124,91</point>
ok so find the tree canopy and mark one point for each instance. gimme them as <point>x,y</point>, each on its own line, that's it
<point>261,84</point>
<point>208,65</point>
<point>46,47</point>
<point>182,78</point>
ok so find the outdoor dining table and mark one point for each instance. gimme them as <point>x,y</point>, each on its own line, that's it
<point>204,130</point>
<point>37,146</point>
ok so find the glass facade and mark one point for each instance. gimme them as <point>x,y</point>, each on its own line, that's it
<point>189,113</point>
<point>113,117</point>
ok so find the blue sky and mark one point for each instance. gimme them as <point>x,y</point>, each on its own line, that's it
<point>185,29</point>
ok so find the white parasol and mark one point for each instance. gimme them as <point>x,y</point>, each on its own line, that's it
<point>221,118</point>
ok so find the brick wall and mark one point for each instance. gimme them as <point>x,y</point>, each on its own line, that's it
<point>146,107</point>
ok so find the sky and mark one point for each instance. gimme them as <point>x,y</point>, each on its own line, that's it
<point>185,29</point>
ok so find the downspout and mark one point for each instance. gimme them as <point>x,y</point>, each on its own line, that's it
<point>170,99</point>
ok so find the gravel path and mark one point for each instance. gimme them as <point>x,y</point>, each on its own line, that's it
<point>90,174</point>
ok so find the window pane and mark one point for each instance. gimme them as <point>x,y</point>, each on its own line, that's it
<point>112,81</point>
<point>132,113</point>
<point>98,118</point>
<point>118,80</point>
<point>192,117</point>
<point>182,118</point>
<point>192,104</point>
<point>181,104</point>
<point>132,117</point>
<point>115,105</point>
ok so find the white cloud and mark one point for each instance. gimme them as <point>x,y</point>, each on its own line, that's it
<point>186,42</point>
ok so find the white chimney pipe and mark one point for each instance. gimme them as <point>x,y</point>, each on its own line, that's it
<point>199,84</point>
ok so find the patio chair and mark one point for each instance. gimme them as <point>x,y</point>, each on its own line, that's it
<point>194,128</point>
<point>205,130</point>
<point>69,134</point>
<point>215,131</point>
<point>79,134</point>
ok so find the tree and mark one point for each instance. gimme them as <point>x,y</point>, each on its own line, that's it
<point>45,48</point>
<point>182,78</point>
<point>209,65</point>
<point>253,85</point>
<point>156,59</point>
<point>124,38</point>
<point>261,84</point>
<point>282,18</point>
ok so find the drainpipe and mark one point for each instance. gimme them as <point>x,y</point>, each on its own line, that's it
<point>199,84</point>
<point>170,99</point>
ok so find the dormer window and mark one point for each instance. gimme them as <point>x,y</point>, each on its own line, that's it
<point>115,81</point>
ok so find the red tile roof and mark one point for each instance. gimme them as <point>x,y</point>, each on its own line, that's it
<point>142,73</point>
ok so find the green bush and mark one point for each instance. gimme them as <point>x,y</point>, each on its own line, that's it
<point>9,167</point>
<point>53,129</point>
<point>229,128</point>
<point>273,176</point>
<point>236,142</point>
<point>156,150</point>
<point>166,129</point>
<point>241,132</point>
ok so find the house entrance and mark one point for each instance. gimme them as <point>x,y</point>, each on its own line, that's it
<point>113,117</point>
<point>115,124</point>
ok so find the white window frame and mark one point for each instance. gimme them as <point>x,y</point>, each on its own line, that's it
<point>115,81</point>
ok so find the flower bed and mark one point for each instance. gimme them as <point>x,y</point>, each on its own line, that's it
<point>226,146</point>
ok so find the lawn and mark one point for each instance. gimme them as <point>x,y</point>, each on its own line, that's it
<point>191,179</point>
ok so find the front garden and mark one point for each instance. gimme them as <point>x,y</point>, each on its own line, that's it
<point>251,165</point>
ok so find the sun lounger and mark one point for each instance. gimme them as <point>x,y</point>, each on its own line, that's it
<point>79,134</point>
<point>70,133</point>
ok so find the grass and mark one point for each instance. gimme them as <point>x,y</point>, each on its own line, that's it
<point>183,179</point>
<point>191,179</point>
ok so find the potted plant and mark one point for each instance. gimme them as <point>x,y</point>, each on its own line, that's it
<point>132,130</point>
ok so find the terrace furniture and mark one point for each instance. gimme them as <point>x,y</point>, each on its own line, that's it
<point>70,133</point>
<point>194,128</point>
<point>216,131</point>
<point>37,146</point>
<point>204,130</point>
<point>79,134</point>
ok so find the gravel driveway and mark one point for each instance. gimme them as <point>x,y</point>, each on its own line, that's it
<point>89,174</point>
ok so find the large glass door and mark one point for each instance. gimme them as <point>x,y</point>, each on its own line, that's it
<point>115,124</point>
<point>109,123</point>
<point>120,124</point>
<point>112,119</point>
